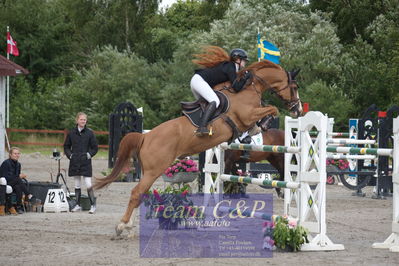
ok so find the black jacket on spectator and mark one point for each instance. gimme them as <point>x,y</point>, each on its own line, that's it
<point>76,146</point>
<point>11,170</point>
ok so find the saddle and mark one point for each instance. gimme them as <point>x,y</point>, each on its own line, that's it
<point>194,110</point>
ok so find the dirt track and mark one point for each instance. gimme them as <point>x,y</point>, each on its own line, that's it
<point>74,238</point>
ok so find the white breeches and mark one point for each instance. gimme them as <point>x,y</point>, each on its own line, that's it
<point>87,181</point>
<point>3,182</point>
<point>201,89</point>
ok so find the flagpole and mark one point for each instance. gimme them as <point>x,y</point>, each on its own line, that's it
<point>257,40</point>
<point>8,89</point>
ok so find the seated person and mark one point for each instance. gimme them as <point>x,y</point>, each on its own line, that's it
<point>10,170</point>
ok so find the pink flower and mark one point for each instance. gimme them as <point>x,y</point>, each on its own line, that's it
<point>268,224</point>
<point>292,223</point>
<point>184,193</point>
<point>168,170</point>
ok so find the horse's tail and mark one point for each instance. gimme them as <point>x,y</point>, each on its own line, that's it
<point>129,146</point>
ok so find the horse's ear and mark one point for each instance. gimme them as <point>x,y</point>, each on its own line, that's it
<point>294,73</point>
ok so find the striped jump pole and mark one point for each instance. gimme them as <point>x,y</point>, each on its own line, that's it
<point>263,148</point>
<point>260,215</point>
<point>257,181</point>
<point>350,157</point>
<point>351,141</point>
<point>351,150</point>
<point>331,134</point>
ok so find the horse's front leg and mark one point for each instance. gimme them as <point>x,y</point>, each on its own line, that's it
<point>260,112</point>
<point>134,202</point>
<point>126,221</point>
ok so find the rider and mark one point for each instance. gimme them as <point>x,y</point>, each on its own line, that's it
<point>218,67</point>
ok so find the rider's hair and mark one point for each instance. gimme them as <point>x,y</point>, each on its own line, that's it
<point>211,56</point>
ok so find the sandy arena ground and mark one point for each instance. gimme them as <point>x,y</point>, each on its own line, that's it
<point>80,238</point>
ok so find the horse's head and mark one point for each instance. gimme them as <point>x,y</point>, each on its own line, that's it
<point>272,77</point>
<point>289,94</point>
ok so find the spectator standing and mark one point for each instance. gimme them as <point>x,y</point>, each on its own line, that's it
<point>80,146</point>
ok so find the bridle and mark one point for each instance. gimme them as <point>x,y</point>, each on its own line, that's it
<point>292,103</point>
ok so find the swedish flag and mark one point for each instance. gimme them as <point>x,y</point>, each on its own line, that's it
<point>267,50</point>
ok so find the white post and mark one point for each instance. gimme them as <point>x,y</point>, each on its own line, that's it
<point>292,162</point>
<point>2,118</point>
<point>212,187</point>
<point>392,242</point>
<point>313,172</point>
<point>8,91</point>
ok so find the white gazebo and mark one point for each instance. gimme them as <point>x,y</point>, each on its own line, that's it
<point>7,68</point>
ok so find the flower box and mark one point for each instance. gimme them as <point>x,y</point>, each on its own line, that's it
<point>181,171</point>
<point>181,177</point>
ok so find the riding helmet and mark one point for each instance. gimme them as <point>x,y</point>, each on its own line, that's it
<point>239,53</point>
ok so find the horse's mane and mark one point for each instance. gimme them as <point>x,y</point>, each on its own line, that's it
<point>211,56</point>
<point>257,66</point>
<point>262,64</point>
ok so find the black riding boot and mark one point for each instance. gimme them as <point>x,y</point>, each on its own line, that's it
<point>246,154</point>
<point>78,194</point>
<point>202,129</point>
<point>90,193</point>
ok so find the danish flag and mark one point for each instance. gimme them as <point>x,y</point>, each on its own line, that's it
<point>11,45</point>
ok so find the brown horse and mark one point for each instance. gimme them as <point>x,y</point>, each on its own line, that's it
<point>270,137</point>
<point>157,149</point>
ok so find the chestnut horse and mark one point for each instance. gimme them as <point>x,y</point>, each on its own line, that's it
<point>272,136</point>
<point>157,149</point>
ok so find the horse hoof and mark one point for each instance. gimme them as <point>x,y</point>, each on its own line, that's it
<point>129,225</point>
<point>119,228</point>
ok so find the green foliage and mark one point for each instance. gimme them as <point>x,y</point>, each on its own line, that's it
<point>353,17</point>
<point>36,110</point>
<point>320,96</point>
<point>113,77</point>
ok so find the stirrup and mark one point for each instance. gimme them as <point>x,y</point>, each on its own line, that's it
<point>202,131</point>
